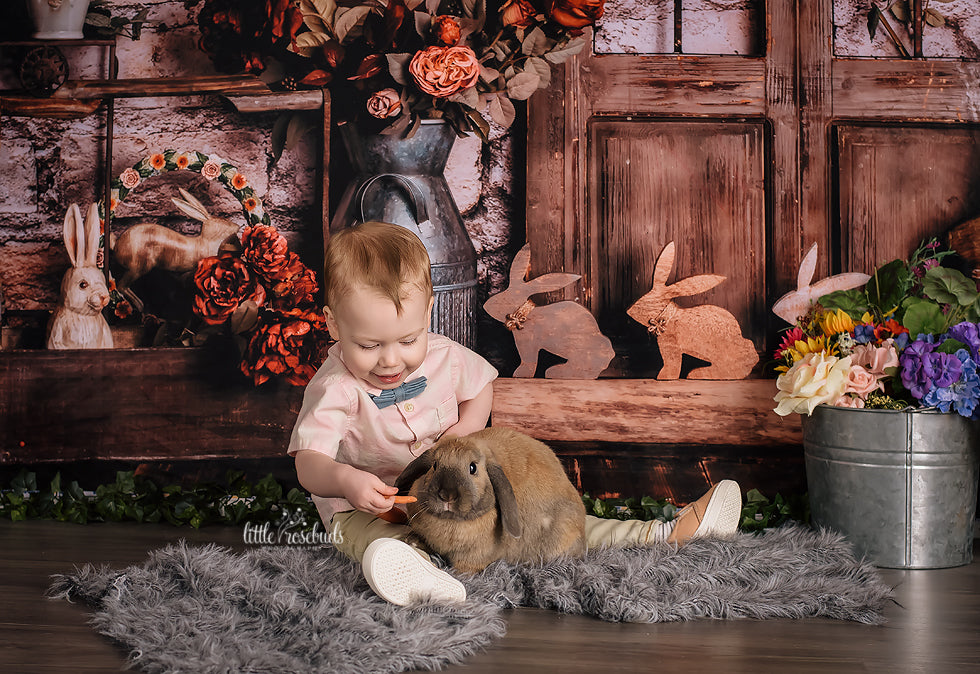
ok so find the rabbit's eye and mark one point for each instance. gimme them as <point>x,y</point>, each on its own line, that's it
<point>83,285</point>
<point>473,468</point>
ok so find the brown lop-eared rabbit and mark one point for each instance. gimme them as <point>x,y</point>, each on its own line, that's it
<point>494,494</point>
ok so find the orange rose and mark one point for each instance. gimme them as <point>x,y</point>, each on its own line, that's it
<point>445,30</point>
<point>575,13</point>
<point>296,286</point>
<point>265,250</point>
<point>222,284</point>
<point>518,13</point>
<point>291,344</point>
<point>442,71</point>
<point>385,103</point>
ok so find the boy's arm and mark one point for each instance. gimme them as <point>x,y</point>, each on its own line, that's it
<point>473,413</point>
<point>323,476</point>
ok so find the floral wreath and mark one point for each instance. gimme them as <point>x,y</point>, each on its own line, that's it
<point>261,293</point>
<point>211,167</point>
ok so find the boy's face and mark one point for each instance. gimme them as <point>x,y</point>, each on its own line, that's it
<point>379,346</point>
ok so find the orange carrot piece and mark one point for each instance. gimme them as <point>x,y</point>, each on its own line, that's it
<point>405,499</point>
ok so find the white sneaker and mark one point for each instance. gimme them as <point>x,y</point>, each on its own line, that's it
<point>715,514</point>
<point>402,575</point>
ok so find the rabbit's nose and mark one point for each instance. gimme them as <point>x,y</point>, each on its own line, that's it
<point>448,495</point>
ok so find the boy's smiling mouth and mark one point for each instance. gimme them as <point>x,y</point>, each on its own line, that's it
<point>387,380</point>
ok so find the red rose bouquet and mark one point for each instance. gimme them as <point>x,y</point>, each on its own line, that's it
<point>266,296</point>
<point>400,61</point>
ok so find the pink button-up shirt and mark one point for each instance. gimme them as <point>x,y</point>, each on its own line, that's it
<point>339,418</point>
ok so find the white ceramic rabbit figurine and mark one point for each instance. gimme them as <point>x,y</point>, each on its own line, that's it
<point>77,321</point>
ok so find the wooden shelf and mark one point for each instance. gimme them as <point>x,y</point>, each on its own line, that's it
<point>24,105</point>
<point>145,404</point>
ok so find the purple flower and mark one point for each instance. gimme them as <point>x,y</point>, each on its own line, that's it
<point>913,362</point>
<point>969,334</point>
<point>864,334</point>
<point>962,394</point>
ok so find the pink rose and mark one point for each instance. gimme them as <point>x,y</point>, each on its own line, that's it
<point>130,178</point>
<point>875,358</point>
<point>861,382</point>
<point>211,169</point>
<point>385,103</point>
<point>442,71</point>
<point>849,401</point>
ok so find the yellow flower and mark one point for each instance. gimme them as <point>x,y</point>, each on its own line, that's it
<point>835,322</point>
<point>801,348</point>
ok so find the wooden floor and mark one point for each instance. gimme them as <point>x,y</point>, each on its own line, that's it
<point>936,629</point>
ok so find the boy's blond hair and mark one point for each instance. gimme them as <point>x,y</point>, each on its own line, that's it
<point>378,255</point>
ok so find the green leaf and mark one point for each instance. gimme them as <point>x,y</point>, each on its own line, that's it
<point>535,44</point>
<point>888,285</point>
<point>522,85</point>
<point>950,346</point>
<point>561,55</point>
<point>852,302</point>
<point>949,286</point>
<point>923,317</point>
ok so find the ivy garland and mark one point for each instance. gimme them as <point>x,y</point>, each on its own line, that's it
<point>136,498</point>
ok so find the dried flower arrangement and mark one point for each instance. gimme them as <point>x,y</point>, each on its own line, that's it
<point>400,61</point>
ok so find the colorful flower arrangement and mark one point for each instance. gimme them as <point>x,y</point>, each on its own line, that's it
<point>266,296</point>
<point>910,338</point>
<point>254,287</point>
<point>400,61</point>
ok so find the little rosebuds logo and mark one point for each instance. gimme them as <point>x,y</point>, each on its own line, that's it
<point>291,529</point>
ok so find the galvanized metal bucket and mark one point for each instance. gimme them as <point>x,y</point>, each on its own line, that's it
<point>902,486</point>
<point>400,180</point>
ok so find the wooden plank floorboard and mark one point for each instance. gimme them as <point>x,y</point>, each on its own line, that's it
<point>934,627</point>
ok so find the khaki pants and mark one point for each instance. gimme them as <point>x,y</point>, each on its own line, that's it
<point>354,530</point>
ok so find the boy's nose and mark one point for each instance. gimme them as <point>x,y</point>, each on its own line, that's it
<point>388,357</point>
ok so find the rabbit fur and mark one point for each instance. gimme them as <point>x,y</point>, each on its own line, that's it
<point>494,494</point>
<point>77,321</point>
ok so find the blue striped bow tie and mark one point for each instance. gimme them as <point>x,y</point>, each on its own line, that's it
<point>399,394</point>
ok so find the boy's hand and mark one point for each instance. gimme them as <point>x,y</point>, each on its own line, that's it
<point>369,493</point>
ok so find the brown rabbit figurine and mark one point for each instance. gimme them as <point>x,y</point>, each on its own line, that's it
<point>565,328</point>
<point>77,321</point>
<point>707,331</point>
<point>147,246</point>
<point>494,494</point>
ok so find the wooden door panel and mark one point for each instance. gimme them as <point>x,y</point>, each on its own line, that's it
<point>899,185</point>
<point>700,184</point>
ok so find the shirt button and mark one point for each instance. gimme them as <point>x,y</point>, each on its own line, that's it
<point>409,407</point>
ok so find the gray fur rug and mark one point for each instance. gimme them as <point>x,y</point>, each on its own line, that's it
<point>307,609</point>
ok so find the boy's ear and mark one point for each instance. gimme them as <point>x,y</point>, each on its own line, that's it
<point>331,324</point>
<point>432,302</point>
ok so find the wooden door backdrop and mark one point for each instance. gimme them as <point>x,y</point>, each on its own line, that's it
<point>744,162</point>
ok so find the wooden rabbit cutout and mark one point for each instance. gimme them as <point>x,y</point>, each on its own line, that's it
<point>795,303</point>
<point>565,328</point>
<point>707,332</point>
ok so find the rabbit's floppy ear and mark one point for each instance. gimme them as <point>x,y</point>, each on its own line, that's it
<point>92,236</point>
<point>414,471</point>
<point>661,272</point>
<point>74,235</point>
<point>506,501</point>
<point>694,285</point>
<point>190,206</point>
